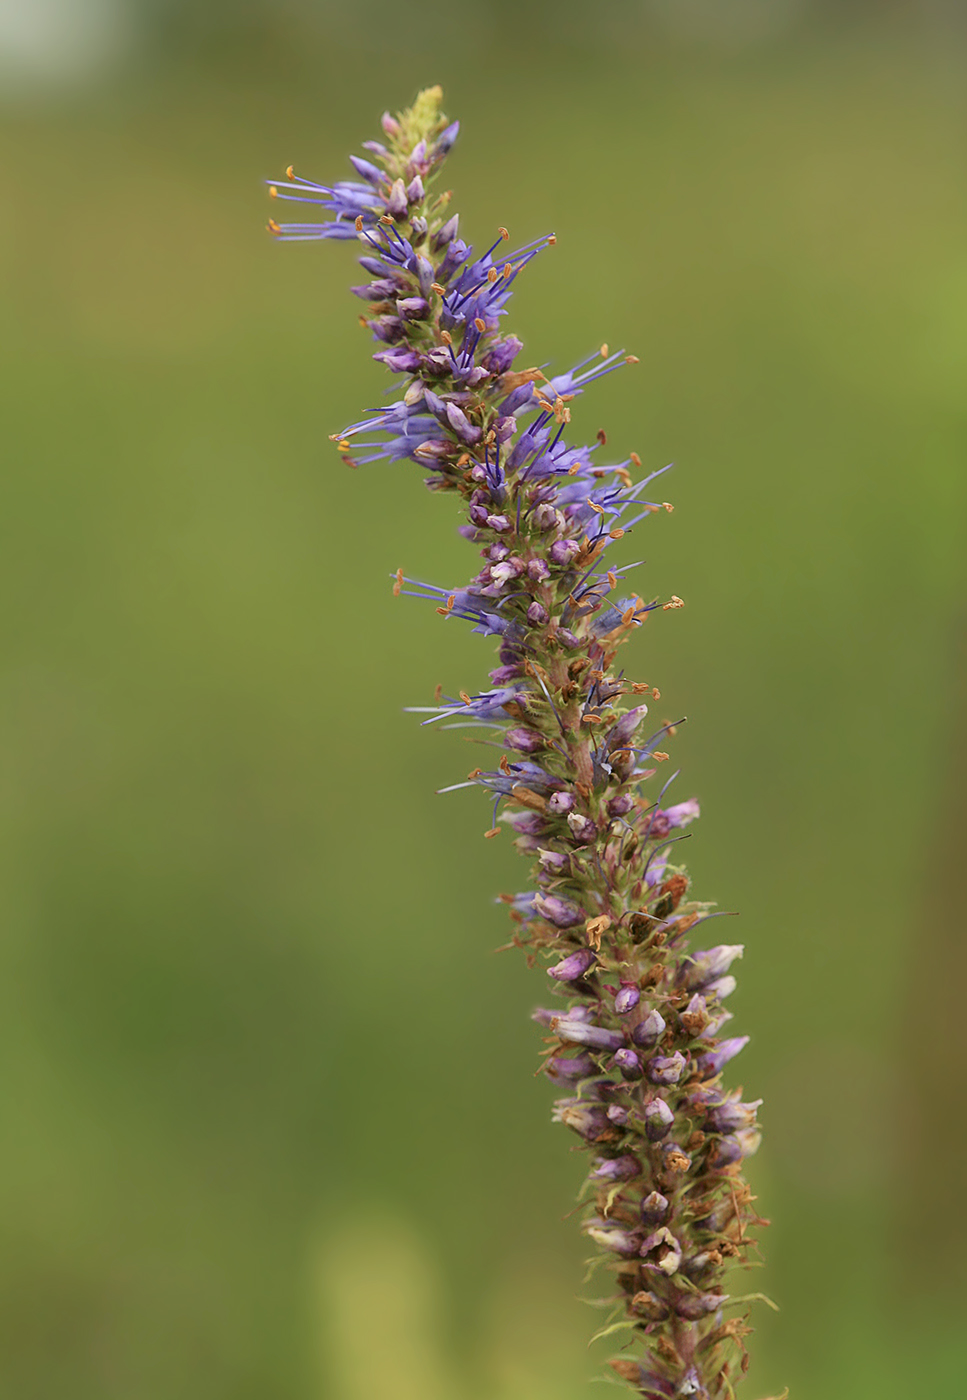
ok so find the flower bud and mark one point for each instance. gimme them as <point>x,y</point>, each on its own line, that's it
<point>724,1152</point>
<point>412,308</point>
<point>711,1064</point>
<point>617,1114</point>
<point>583,829</point>
<point>658,1120</point>
<point>708,965</point>
<point>666,1069</point>
<point>722,987</point>
<point>581,1033</point>
<point>570,1067</point>
<point>627,999</point>
<point>726,1117</point>
<point>396,200</point>
<point>649,1030</point>
<point>574,966</point>
<point>537,570</point>
<point>555,862</point>
<point>559,912</point>
<point>560,802</point>
<point>537,614</point>
<point>616,1168</point>
<point>628,1063</point>
<point>621,805</point>
<point>524,740</point>
<point>589,1120</point>
<point>562,552</point>
<point>627,726</point>
<point>693,1307</point>
<point>654,1208</point>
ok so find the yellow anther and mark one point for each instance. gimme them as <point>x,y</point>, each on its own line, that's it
<point>273,192</point>
<point>660,757</point>
<point>503,233</point>
<point>604,351</point>
<point>635,459</point>
<point>632,360</point>
<point>494,831</point>
<point>673,602</point>
<point>481,325</point>
<point>492,275</point>
<point>273,227</point>
<point>668,506</point>
<point>398,584</point>
<point>358,221</point>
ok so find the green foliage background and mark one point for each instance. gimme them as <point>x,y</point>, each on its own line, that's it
<point>271,1126</point>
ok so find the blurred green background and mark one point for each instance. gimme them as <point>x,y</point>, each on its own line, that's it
<point>270,1121</point>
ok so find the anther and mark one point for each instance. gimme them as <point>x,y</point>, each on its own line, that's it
<point>612,579</point>
<point>273,227</point>
<point>673,602</point>
<point>358,221</point>
<point>598,510</point>
<point>398,584</point>
<point>384,219</point>
<point>494,831</point>
<point>464,459</point>
<point>655,693</point>
<point>464,697</point>
<point>492,275</point>
<point>635,459</point>
<point>503,233</point>
<point>449,608</point>
<point>435,287</point>
<point>604,351</point>
<point>551,238</point>
<point>446,337</point>
<point>632,360</point>
<point>273,192</point>
<point>474,773</point>
<point>601,436</point>
<point>481,325</point>
<point>508,269</point>
<point>668,506</point>
<point>660,757</point>
<point>362,321</point>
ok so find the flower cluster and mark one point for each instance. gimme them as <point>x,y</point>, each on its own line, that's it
<point>635,1035</point>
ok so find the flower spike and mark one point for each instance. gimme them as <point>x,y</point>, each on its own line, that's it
<point>634,1040</point>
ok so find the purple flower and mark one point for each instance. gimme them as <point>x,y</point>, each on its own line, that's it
<point>581,1033</point>
<point>649,1030</point>
<point>574,966</point>
<point>654,1208</point>
<point>666,1069</point>
<point>628,1063</point>
<point>616,1168</point>
<point>711,1063</point>
<point>626,1000</point>
<point>560,912</point>
<point>658,1120</point>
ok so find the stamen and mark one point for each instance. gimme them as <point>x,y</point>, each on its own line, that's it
<point>398,584</point>
<point>604,351</point>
